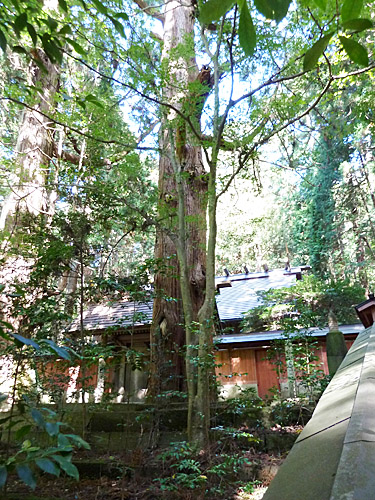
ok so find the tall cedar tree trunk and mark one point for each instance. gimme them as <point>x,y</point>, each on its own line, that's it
<point>34,149</point>
<point>30,202</point>
<point>182,206</point>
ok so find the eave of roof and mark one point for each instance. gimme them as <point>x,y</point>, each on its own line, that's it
<point>249,338</point>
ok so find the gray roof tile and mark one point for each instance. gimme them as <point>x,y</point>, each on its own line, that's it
<point>232,302</point>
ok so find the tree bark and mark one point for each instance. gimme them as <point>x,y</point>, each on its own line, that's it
<point>30,194</point>
<point>30,202</point>
<point>182,200</point>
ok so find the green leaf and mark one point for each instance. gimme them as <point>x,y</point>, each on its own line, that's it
<point>63,5</point>
<point>122,15</point>
<point>312,55</point>
<point>3,475</point>
<point>356,52</point>
<point>81,103</point>
<point>67,466</point>
<point>20,23</point>
<point>61,351</point>
<point>213,10</point>
<point>52,24</point>
<point>77,47</point>
<point>19,50</point>
<point>38,418</point>
<point>358,25</point>
<point>119,27</point>
<point>52,50</point>
<point>22,431</point>
<point>3,397</point>
<point>21,339</point>
<point>94,100</point>
<point>273,9</point>
<point>65,30</point>
<point>25,474</point>
<point>351,9</point>
<point>246,31</point>
<point>32,33</point>
<point>3,41</point>
<point>102,9</point>
<point>63,441</point>
<point>47,466</point>
<point>52,428</point>
<point>78,440</point>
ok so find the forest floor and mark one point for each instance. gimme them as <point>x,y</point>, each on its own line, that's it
<point>145,483</point>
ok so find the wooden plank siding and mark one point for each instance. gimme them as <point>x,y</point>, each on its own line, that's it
<point>236,366</point>
<point>266,374</point>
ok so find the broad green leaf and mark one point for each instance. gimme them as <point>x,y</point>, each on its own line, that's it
<point>3,41</point>
<point>65,30</point>
<point>121,15</point>
<point>77,47</point>
<point>356,52</point>
<point>94,100</point>
<point>63,353</point>
<point>63,5</point>
<point>358,25</point>
<point>22,431</point>
<point>246,31</point>
<point>213,10</point>
<point>52,428</point>
<point>47,466</point>
<point>63,441</point>
<point>38,417</point>
<point>67,466</point>
<point>102,9</point>
<point>19,50</point>
<point>21,339</point>
<point>52,24</point>
<point>273,9</point>
<point>3,475</point>
<point>119,27</point>
<point>51,49</point>
<point>25,474</point>
<point>20,23</point>
<point>32,33</point>
<point>77,439</point>
<point>312,55</point>
<point>351,9</point>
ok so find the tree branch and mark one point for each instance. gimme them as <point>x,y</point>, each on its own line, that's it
<point>130,147</point>
<point>149,10</point>
<point>265,139</point>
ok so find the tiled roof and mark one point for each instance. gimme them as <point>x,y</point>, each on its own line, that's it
<point>235,300</point>
<point>115,314</point>
<point>237,297</point>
